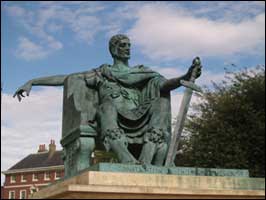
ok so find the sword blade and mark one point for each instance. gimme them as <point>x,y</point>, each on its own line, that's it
<point>178,127</point>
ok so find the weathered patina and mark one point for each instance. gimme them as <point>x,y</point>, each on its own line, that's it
<point>117,107</point>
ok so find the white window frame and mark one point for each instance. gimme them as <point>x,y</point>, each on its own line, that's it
<point>47,178</point>
<point>9,194</point>
<point>20,194</point>
<point>33,177</point>
<point>11,179</point>
<point>23,178</point>
<point>56,177</point>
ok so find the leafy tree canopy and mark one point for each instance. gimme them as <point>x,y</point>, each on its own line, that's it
<point>228,128</point>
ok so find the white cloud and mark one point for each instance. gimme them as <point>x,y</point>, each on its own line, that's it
<point>35,23</point>
<point>28,50</point>
<point>208,77</point>
<point>169,72</point>
<point>54,27</point>
<point>163,30</point>
<point>168,33</point>
<point>86,27</point>
<point>227,11</point>
<point>48,18</point>
<point>26,124</point>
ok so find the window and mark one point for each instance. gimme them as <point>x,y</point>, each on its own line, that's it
<point>11,195</point>
<point>13,179</point>
<point>23,178</point>
<point>57,175</point>
<point>34,177</point>
<point>22,194</point>
<point>46,175</point>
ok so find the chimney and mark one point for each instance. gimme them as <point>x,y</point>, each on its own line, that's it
<point>41,148</point>
<point>52,147</point>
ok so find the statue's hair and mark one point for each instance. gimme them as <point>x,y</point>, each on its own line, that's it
<point>114,41</point>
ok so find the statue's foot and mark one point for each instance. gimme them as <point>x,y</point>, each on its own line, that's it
<point>132,162</point>
<point>145,166</point>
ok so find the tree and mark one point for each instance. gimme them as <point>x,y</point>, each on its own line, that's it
<point>228,130</point>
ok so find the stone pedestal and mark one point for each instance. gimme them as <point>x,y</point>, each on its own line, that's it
<point>128,185</point>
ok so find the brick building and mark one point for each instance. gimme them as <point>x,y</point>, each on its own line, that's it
<point>33,172</point>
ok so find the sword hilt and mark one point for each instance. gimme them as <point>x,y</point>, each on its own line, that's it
<point>190,84</point>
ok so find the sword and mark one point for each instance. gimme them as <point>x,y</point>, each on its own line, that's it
<point>190,86</point>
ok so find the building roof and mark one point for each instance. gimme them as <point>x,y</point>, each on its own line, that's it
<point>43,159</point>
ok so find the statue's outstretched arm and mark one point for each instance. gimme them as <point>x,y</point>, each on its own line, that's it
<point>57,80</point>
<point>171,84</point>
<point>174,83</point>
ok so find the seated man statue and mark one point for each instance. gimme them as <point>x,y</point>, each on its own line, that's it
<point>132,104</point>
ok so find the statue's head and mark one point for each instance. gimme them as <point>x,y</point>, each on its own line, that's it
<point>119,46</point>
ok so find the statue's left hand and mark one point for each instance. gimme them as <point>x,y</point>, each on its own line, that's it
<point>195,69</point>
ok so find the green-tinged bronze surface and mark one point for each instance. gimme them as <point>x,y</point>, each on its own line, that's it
<point>182,171</point>
<point>116,108</point>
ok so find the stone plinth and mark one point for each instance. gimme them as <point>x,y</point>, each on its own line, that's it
<point>128,185</point>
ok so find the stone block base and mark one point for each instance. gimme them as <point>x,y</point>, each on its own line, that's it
<point>124,185</point>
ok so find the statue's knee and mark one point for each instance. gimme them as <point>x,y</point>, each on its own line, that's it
<point>156,135</point>
<point>112,136</point>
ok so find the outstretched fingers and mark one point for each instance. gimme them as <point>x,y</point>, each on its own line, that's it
<point>18,94</point>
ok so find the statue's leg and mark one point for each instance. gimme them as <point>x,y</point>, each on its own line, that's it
<point>117,141</point>
<point>161,154</point>
<point>147,153</point>
<point>113,136</point>
<point>155,140</point>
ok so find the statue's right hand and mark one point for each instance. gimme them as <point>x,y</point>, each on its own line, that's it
<point>25,88</point>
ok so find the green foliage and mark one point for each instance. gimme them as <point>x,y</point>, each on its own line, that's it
<point>228,130</point>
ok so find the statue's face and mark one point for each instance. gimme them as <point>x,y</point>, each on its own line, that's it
<point>123,49</point>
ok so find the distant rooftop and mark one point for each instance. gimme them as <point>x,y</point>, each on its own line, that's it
<point>39,160</point>
<point>44,158</point>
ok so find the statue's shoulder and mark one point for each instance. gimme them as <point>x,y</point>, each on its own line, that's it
<point>142,68</point>
<point>91,72</point>
<point>103,66</point>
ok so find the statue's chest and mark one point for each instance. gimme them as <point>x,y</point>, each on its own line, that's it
<point>122,97</point>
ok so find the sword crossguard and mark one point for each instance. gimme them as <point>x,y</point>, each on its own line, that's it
<point>191,85</point>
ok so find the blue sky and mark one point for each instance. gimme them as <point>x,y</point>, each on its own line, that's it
<point>49,38</point>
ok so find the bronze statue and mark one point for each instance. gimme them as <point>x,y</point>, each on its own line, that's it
<point>125,109</point>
